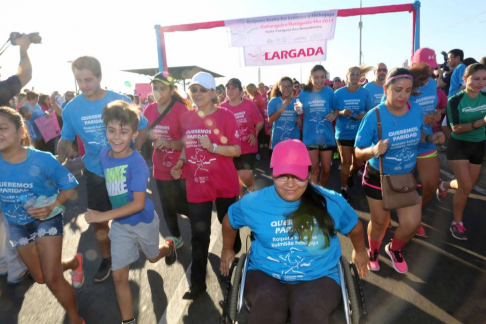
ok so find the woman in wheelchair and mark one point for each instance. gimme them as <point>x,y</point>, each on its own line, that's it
<point>293,263</point>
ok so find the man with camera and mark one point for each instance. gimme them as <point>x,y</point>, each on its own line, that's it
<point>10,87</point>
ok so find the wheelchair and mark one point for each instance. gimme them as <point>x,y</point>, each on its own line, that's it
<point>235,309</point>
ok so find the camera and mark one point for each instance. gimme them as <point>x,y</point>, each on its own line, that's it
<point>445,65</point>
<point>34,37</point>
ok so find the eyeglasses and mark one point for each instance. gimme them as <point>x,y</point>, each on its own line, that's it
<point>383,70</point>
<point>219,92</point>
<point>287,177</point>
<point>201,90</point>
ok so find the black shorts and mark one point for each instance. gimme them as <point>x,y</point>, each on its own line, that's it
<point>463,150</point>
<point>245,161</point>
<point>320,147</point>
<point>344,142</point>
<point>97,194</point>
<point>372,182</point>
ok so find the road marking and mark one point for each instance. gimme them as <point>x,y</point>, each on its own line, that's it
<point>476,188</point>
<point>176,305</point>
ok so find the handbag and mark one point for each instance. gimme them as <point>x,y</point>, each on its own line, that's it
<point>397,190</point>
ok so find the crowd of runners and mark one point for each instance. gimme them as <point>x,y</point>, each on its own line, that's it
<point>202,147</point>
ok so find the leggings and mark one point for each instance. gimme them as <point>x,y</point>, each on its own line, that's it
<point>173,199</point>
<point>200,217</point>
<point>309,301</point>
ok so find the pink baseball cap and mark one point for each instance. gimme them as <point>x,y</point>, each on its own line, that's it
<point>425,55</point>
<point>290,157</point>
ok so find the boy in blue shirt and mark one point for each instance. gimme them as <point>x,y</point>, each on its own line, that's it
<point>135,225</point>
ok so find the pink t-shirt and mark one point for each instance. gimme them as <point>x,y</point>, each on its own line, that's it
<point>247,116</point>
<point>170,129</point>
<point>210,176</point>
<point>261,102</point>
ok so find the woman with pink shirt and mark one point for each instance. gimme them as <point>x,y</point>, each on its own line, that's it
<point>165,120</point>
<point>211,141</point>
<point>250,122</point>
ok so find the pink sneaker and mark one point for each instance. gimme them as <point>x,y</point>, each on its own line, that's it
<point>441,194</point>
<point>397,259</point>
<point>420,231</point>
<point>374,265</point>
<point>77,275</point>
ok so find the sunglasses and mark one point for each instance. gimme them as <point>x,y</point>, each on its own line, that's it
<point>201,90</point>
<point>287,177</point>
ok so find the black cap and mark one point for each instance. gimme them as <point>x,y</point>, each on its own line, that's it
<point>235,83</point>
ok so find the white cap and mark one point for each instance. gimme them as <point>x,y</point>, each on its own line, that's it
<point>204,79</point>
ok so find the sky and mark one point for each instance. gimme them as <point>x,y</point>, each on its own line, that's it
<point>121,35</point>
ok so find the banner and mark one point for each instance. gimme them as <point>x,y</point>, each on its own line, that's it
<point>283,29</point>
<point>48,126</point>
<point>285,53</point>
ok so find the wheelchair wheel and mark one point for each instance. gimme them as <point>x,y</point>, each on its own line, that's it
<point>235,289</point>
<point>351,288</point>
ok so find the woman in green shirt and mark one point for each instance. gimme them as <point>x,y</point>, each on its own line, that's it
<point>466,112</point>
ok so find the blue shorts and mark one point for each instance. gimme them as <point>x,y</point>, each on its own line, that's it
<point>21,235</point>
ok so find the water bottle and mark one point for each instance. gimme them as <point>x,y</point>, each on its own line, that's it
<point>27,202</point>
<point>298,107</point>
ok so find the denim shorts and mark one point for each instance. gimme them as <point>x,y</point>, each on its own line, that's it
<point>21,235</point>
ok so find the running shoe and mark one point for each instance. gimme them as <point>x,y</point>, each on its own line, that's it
<point>20,278</point>
<point>374,265</point>
<point>350,181</point>
<point>344,193</point>
<point>458,231</point>
<point>420,231</point>
<point>194,292</point>
<point>104,270</point>
<point>441,194</point>
<point>172,257</point>
<point>77,275</point>
<point>178,242</point>
<point>397,259</point>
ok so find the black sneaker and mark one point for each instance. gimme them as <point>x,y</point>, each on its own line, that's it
<point>172,257</point>
<point>350,181</point>
<point>194,292</point>
<point>104,270</point>
<point>344,193</point>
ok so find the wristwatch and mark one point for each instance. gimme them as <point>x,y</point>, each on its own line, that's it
<point>215,146</point>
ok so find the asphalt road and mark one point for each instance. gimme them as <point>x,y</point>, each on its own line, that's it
<point>446,282</point>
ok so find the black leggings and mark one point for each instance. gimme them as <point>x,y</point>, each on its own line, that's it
<point>309,301</point>
<point>200,217</point>
<point>173,199</point>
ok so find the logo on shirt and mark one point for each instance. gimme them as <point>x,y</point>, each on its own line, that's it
<point>403,157</point>
<point>71,178</point>
<point>321,120</point>
<point>99,139</point>
<point>199,159</point>
<point>287,129</point>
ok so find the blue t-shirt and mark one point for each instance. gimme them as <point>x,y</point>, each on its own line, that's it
<point>276,253</point>
<point>427,100</point>
<point>358,102</point>
<point>123,177</point>
<point>456,79</point>
<point>403,133</point>
<point>31,130</point>
<point>37,112</point>
<point>375,91</point>
<point>83,117</point>
<point>39,175</point>
<point>284,127</point>
<point>317,105</point>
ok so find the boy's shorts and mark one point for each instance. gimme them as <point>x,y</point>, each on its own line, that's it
<point>127,240</point>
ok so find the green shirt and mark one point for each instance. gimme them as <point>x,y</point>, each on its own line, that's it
<point>461,109</point>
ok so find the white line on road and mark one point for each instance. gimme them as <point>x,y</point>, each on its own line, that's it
<point>176,305</point>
